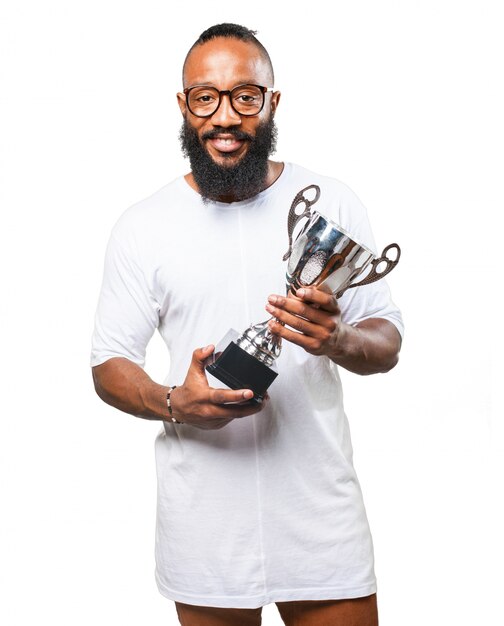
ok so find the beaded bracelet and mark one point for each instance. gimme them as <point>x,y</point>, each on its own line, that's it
<point>168,402</point>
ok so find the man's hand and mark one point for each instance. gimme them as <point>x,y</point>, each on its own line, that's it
<point>312,321</point>
<point>202,406</point>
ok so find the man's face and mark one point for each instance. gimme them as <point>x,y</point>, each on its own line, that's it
<point>227,148</point>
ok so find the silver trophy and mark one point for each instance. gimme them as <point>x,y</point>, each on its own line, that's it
<point>322,254</point>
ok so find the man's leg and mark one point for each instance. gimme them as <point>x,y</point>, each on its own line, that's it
<point>354,612</point>
<point>190,615</point>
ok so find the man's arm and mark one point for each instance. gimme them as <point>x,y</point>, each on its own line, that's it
<point>126,386</point>
<point>313,321</point>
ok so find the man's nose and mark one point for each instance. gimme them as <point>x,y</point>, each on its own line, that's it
<point>225,115</point>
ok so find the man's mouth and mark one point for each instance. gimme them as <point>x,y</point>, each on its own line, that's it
<point>226,142</point>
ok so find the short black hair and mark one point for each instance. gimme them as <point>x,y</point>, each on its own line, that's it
<point>233,31</point>
<point>227,30</point>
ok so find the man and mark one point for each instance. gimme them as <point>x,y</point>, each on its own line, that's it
<point>257,503</point>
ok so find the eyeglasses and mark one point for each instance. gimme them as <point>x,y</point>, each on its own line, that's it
<point>247,100</point>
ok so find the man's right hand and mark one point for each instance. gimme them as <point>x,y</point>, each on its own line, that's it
<point>202,406</point>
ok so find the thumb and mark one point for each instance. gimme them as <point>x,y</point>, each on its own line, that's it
<point>200,355</point>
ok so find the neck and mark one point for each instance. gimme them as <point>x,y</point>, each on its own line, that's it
<point>274,171</point>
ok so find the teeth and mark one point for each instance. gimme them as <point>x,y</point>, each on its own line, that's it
<point>226,142</point>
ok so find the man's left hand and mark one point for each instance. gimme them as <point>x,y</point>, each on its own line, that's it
<point>312,320</point>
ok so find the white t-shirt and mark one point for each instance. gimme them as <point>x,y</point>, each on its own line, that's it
<point>268,508</point>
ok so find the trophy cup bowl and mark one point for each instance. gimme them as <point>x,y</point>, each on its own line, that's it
<point>322,254</point>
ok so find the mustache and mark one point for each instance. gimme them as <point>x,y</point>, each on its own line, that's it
<point>218,130</point>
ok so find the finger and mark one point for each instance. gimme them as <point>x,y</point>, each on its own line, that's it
<point>320,330</point>
<point>233,409</point>
<point>312,344</point>
<point>326,300</point>
<point>242,410</point>
<point>289,308</point>
<point>224,396</point>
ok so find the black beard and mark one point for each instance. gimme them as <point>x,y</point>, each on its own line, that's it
<point>245,179</point>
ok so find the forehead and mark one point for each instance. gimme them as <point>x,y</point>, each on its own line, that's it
<point>226,62</point>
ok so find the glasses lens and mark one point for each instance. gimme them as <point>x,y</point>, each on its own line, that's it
<point>203,100</point>
<point>247,99</point>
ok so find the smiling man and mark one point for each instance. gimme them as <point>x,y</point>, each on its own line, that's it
<point>257,503</point>
<point>231,130</point>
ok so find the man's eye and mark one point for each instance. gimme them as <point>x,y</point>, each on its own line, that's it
<point>246,98</point>
<point>204,98</point>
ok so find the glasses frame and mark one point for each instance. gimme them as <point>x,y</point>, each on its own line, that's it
<point>228,92</point>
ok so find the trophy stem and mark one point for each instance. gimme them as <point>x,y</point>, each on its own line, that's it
<point>259,341</point>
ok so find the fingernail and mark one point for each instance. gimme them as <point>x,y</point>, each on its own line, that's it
<point>300,293</point>
<point>270,308</point>
<point>272,299</point>
<point>248,394</point>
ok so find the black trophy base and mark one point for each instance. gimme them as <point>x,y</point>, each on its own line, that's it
<point>240,370</point>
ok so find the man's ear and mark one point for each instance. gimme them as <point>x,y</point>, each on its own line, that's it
<point>181,99</point>
<point>275,99</point>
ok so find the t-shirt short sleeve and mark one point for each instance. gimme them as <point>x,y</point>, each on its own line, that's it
<point>127,314</point>
<point>367,301</point>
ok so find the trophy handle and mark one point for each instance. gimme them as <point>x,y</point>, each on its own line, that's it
<point>294,217</point>
<point>374,274</point>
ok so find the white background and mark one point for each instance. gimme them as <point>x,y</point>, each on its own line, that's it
<point>403,101</point>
